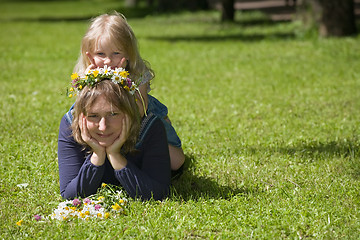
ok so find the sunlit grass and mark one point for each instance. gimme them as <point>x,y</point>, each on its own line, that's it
<point>269,123</point>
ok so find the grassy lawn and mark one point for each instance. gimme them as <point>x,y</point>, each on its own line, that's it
<point>269,120</point>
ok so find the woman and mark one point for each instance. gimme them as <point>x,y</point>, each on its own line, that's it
<point>107,143</point>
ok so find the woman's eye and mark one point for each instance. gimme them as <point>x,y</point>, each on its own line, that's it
<point>92,116</point>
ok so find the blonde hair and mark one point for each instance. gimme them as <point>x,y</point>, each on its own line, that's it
<point>118,97</point>
<point>114,27</point>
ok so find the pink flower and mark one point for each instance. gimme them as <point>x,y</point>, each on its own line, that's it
<point>129,82</point>
<point>86,200</point>
<point>97,207</point>
<point>76,202</point>
<point>37,217</point>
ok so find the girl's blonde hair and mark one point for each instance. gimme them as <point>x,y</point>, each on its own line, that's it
<point>118,97</point>
<point>115,29</point>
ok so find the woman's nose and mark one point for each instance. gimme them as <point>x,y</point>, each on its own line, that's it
<point>102,124</point>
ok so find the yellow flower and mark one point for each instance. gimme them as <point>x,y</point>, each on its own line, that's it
<point>116,207</point>
<point>124,74</point>
<point>127,88</point>
<point>95,73</point>
<point>87,213</point>
<point>99,215</point>
<point>80,87</point>
<point>71,89</point>
<point>103,185</point>
<point>74,76</point>
<point>107,215</point>
<point>82,215</point>
<point>19,222</point>
<point>70,95</point>
<point>121,201</point>
<point>101,198</point>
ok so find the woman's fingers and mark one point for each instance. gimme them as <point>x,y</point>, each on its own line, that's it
<point>119,142</point>
<point>84,131</point>
<point>126,128</point>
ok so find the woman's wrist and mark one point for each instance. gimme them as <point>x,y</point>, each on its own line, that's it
<point>117,160</point>
<point>97,159</point>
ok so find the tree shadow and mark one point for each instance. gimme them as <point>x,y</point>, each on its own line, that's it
<point>192,187</point>
<point>306,152</point>
<point>328,149</point>
<point>138,12</point>
<point>219,38</point>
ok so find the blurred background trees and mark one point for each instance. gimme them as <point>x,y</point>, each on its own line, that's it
<point>328,17</point>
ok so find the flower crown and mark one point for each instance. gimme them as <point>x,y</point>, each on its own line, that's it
<point>94,76</point>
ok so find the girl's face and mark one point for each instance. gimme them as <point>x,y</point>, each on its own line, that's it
<point>104,122</point>
<point>106,53</point>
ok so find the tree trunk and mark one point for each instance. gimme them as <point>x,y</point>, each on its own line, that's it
<point>331,17</point>
<point>227,10</point>
<point>131,3</point>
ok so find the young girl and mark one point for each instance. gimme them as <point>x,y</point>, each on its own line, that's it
<point>110,41</point>
<point>99,145</point>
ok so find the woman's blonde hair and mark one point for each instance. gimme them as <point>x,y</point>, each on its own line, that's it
<point>118,97</point>
<point>115,29</point>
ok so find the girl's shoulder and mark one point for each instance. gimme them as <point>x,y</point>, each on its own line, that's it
<point>151,124</point>
<point>146,124</point>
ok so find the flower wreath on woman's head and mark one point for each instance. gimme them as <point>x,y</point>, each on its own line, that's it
<point>94,76</point>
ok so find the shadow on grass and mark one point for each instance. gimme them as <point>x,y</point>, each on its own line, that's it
<point>321,150</point>
<point>218,38</point>
<point>191,187</point>
<point>347,150</point>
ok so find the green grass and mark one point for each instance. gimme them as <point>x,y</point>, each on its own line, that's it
<point>269,121</point>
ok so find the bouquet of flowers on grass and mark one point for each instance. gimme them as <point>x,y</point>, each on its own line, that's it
<point>109,201</point>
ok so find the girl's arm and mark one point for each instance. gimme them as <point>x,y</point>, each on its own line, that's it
<point>152,178</point>
<point>78,176</point>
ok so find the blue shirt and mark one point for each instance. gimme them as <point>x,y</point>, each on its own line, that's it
<point>147,174</point>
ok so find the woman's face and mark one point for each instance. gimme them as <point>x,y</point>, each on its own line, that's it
<point>106,53</point>
<point>104,121</point>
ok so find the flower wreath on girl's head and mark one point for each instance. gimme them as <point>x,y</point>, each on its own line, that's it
<point>94,76</point>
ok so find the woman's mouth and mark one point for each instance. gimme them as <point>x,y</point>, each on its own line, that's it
<point>101,135</point>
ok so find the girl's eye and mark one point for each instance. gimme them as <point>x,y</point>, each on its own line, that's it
<point>100,54</point>
<point>116,53</point>
<point>114,114</point>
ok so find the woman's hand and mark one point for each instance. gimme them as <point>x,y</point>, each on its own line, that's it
<point>117,160</point>
<point>119,142</point>
<point>99,153</point>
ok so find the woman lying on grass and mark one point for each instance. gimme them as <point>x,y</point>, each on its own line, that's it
<point>107,141</point>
